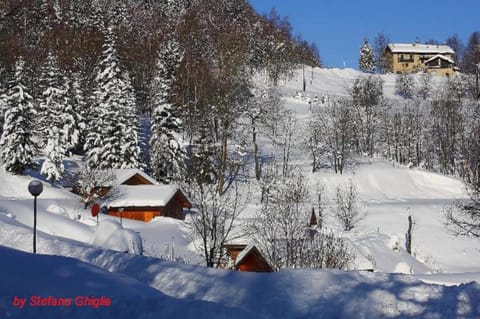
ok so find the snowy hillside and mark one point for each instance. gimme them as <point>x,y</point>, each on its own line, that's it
<point>91,260</point>
<point>337,82</point>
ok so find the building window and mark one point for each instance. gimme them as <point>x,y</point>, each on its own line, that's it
<point>405,58</point>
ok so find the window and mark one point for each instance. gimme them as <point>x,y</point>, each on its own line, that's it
<point>405,58</point>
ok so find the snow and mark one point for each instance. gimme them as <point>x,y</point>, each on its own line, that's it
<point>243,254</point>
<point>31,277</point>
<point>287,294</point>
<point>439,280</point>
<point>123,175</point>
<point>332,83</point>
<point>439,56</point>
<point>420,48</point>
<point>142,196</point>
<point>110,234</point>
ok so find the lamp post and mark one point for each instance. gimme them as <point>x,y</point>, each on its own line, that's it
<point>35,188</point>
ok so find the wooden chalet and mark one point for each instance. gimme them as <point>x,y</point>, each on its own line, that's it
<point>144,202</point>
<point>120,177</point>
<point>135,195</point>
<point>247,258</point>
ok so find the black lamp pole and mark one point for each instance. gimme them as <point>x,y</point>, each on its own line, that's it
<point>35,188</point>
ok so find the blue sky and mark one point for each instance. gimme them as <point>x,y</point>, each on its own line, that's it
<point>339,26</point>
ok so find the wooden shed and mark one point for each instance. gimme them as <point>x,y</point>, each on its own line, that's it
<point>144,202</point>
<point>247,258</point>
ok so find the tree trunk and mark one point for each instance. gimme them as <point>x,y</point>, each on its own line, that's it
<point>408,235</point>
<point>255,151</point>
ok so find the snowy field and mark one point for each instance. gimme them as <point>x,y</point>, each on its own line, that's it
<point>440,280</point>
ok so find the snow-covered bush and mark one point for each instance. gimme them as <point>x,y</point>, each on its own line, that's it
<point>111,234</point>
<point>326,250</point>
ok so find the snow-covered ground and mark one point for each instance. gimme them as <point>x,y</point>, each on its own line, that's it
<point>97,265</point>
<point>209,292</point>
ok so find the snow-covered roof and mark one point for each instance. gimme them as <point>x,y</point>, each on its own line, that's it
<point>241,255</point>
<point>420,48</point>
<point>142,195</point>
<point>123,175</point>
<point>439,56</point>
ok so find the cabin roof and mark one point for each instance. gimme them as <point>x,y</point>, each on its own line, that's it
<point>244,253</point>
<point>420,48</point>
<point>123,175</point>
<point>251,249</point>
<point>145,196</point>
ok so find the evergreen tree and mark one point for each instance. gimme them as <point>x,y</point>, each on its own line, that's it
<point>130,150</point>
<point>18,145</point>
<point>56,111</point>
<point>367,58</point>
<point>80,107</point>
<point>112,140</point>
<point>405,86</point>
<point>52,167</point>
<point>166,153</point>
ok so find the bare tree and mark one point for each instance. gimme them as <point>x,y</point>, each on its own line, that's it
<point>348,211</point>
<point>92,184</point>
<point>284,137</point>
<point>329,134</point>
<point>319,189</point>
<point>281,228</point>
<point>380,44</point>
<point>409,234</point>
<point>463,217</point>
<point>367,95</point>
<point>261,109</point>
<point>214,218</point>
<point>326,250</point>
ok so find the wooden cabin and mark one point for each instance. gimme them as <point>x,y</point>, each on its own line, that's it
<point>115,177</point>
<point>247,258</point>
<point>144,202</point>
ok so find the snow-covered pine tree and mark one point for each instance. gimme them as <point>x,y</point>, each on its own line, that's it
<point>110,132</point>
<point>18,145</point>
<point>130,150</point>
<point>367,58</point>
<point>52,167</point>
<point>166,148</point>
<point>55,109</point>
<point>79,108</point>
<point>405,86</point>
<point>3,101</point>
